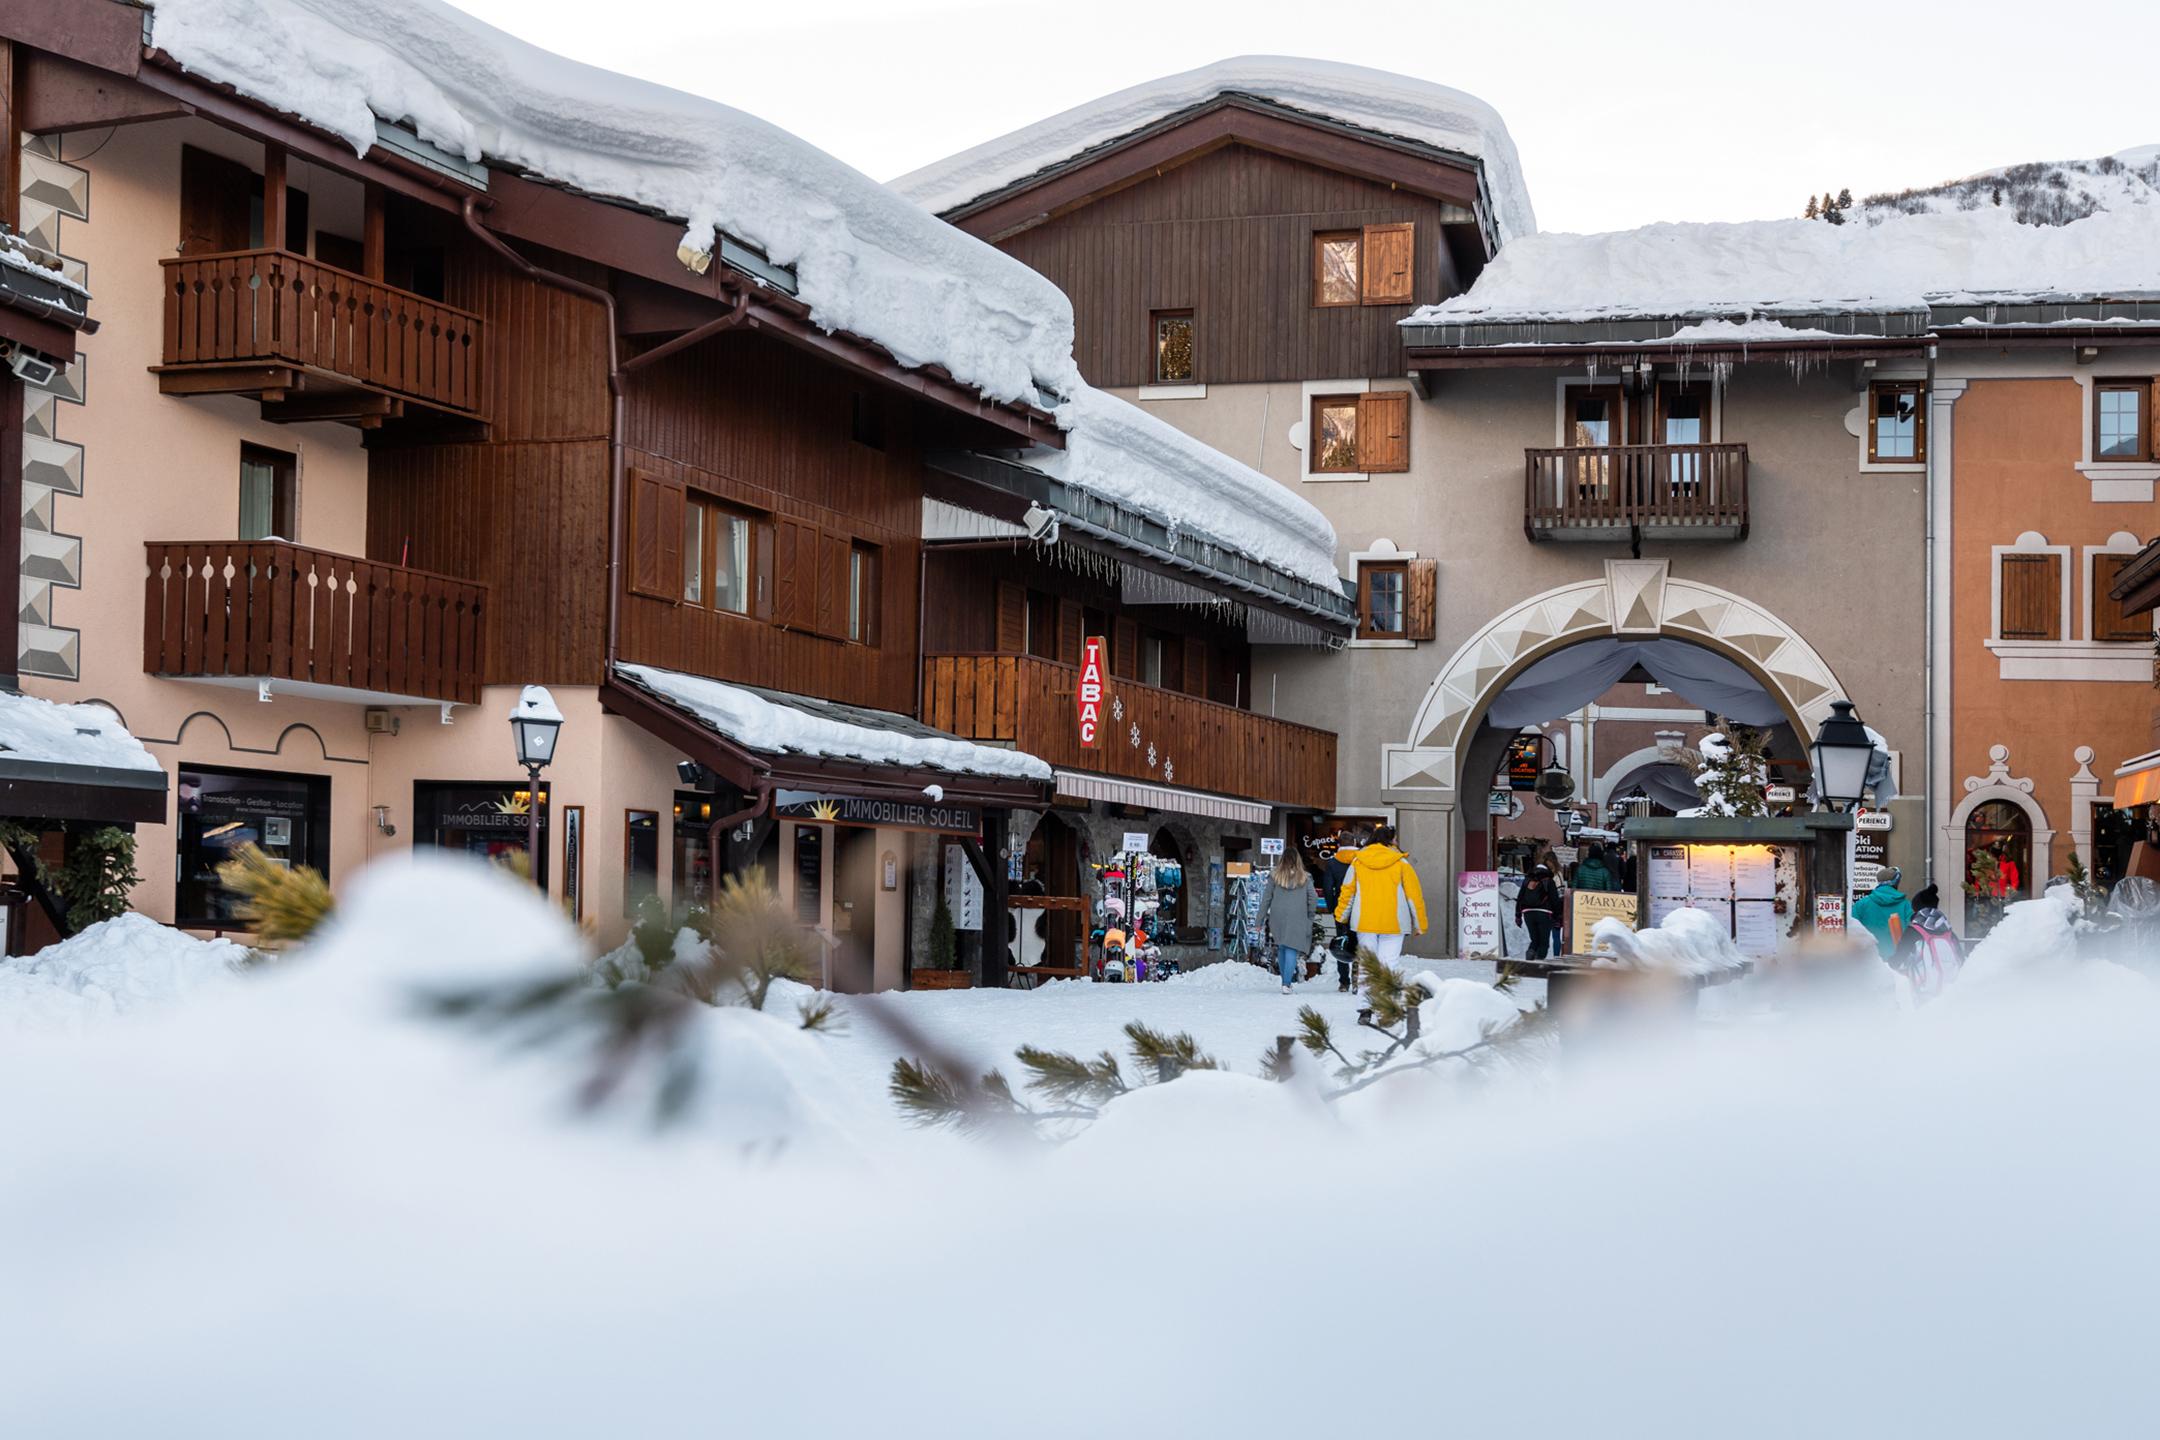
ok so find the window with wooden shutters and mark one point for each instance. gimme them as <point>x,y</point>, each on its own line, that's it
<point>832,585</point>
<point>1383,432</point>
<point>1012,618</point>
<point>2110,621</point>
<point>1390,255</point>
<point>1337,262</point>
<point>2122,421</point>
<point>1424,599</point>
<point>1125,650</point>
<point>2032,597</point>
<point>795,573</point>
<point>216,197</point>
<point>1383,601</point>
<point>1897,422</point>
<point>656,535</point>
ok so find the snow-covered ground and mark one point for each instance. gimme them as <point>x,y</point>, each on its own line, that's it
<point>291,1204</point>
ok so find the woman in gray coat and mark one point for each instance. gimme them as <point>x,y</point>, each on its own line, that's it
<point>1288,915</point>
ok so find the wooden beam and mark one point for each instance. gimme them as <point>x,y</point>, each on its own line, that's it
<point>224,380</point>
<point>371,232</point>
<point>60,95</point>
<point>11,519</point>
<point>333,405</point>
<point>273,207</point>
<point>107,36</point>
<point>10,144</point>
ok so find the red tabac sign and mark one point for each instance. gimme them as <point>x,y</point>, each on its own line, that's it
<point>1088,694</point>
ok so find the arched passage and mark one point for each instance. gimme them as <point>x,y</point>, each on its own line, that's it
<point>1999,814</point>
<point>1632,600</point>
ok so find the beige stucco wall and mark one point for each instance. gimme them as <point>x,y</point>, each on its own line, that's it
<point>1837,555</point>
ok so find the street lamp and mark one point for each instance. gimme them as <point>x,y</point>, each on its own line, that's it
<point>1842,754</point>
<point>533,722</point>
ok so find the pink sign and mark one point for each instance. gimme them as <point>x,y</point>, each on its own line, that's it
<point>1830,914</point>
<point>1087,695</point>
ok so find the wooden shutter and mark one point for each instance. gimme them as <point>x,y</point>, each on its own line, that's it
<point>656,535</point>
<point>761,540</point>
<point>2032,597</point>
<point>1383,428</point>
<point>832,584</point>
<point>2109,620</point>
<point>1012,636</point>
<point>1071,622</point>
<point>1390,252</point>
<point>795,573</point>
<point>214,197</point>
<point>1422,599</point>
<point>1125,650</point>
<point>1196,663</point>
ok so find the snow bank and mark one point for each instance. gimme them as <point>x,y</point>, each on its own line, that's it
<point>867,261</point>
<point>1461,1012</point>
<point>1122,453</point>
<point>1903,262</point>
<point>42,730</point>
<point>751,720</point>
<point>1686,942</point>
<point>1396,105</point>
<point>115,967</point>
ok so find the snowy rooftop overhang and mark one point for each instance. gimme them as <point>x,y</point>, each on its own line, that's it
<point>1445,123</point>
<point>74,762</point>
<point>1793,284</point>
<point>759,738</point>
<point>40,306</point>
<point>864,261</point>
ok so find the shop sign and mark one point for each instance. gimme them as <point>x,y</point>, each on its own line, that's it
<point>1779,794</point>
<point>1528,756</point>
<point>1499,802</point>
<point>1872,820</point>
<point>1271,845</point>
<point>1477,913</point>
<point>1088,694</point>
<point>1136,842</point>
<point>1590,906</point>
<point>1830,914</point>
<point>817,807</point>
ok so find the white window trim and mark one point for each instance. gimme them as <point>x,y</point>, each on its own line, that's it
<point>1298,438</point>
<point>1172,392</point>
<point>2122,542</point>
<point>2113,482</point>
<point>2080,658</point>
<point>1562,384</point>
<point>2029,543</point>
<point>1357,582</point>
<point>1889,376</point>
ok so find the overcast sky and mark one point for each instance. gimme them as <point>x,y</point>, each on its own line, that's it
<point>1623,114</point>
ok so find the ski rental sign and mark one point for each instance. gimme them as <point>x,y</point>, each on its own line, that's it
<point>1088,694</point>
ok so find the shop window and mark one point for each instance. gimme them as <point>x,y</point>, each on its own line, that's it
<point>487,820</point>
<point>1897,422</point>
<point>287,817</point>
<point>695,869</point>
<point>2122,420</point>
<point>1998,862</point>
<point>268,498</point>
<point>1173,347</point>
<point>641,860</point>
<point>1383,600</point>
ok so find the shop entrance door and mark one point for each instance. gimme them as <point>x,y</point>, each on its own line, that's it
<point>855,892</point>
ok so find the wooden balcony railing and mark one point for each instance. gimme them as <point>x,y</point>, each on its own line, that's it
<point>267,307</point>
<point>1197,744</point>
<point>267,610</point>
<point>1615,492</point>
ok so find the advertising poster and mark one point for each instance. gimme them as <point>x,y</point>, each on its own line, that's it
<point>1477,913</point>
<point>1587,907</point>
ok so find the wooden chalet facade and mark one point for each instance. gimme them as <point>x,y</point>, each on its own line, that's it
<point>379,439</point>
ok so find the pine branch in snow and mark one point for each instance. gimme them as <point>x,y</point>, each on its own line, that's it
<point>1169,1055</point>
<point>1069,1080</point>
<point>280,905</point>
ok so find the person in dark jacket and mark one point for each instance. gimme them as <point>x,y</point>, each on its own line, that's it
<point>1592,873</point>
<point>1537,909</point>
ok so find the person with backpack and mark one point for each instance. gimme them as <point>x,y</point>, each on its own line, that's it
<point>1381,898</point>
<point>1537,909</point>
<point>1287,914</point>
<point>1885,912</point>
<point>1931,955</point>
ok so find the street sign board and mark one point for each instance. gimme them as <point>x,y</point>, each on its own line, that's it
<point>1477,913</point>
<point>1088,694</point>
<point>1779,794</point>
<point>1872,820</point>
<point>1271,845</point>
<point>1136,842</point>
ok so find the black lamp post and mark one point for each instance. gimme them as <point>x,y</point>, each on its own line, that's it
<point>1841,754</point>
<point>534,721</point>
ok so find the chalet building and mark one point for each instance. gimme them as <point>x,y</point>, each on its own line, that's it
<point>384,420</point>
<point>1559,464</point>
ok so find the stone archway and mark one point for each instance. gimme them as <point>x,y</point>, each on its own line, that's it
<point>2016,790</point>
<point>1634,599</point>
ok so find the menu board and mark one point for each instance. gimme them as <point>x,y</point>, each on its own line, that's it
<point>1755,928</point>
<point>1755,872</point>
<point>1668,872</point>
<point>1718,910</point>
<point>1662,906</point>
<point>1709,872</point>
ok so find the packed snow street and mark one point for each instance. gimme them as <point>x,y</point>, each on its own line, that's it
<point>973,722</point>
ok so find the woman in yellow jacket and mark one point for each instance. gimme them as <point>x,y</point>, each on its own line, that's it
<point>1381,898</point>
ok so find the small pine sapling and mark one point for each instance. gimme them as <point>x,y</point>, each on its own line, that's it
<point>282,905</point>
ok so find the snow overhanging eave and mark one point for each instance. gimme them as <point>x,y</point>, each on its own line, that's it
<point>1436,339</point>
<point>1092,521</point>
<point>1966,313</point>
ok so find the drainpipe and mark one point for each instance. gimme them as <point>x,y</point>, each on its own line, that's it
<point>760,802</point>
<point>617,368</point>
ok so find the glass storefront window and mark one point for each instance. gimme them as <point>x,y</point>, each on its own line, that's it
<point>485,820</point>
<point>286,816</point>
<point>695,873</point>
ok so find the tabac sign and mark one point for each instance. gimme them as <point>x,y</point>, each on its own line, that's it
<point>820,808</point>
<point>1088,695</point>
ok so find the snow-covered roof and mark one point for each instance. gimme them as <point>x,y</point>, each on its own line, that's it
<point>1124,454</point>
<point>777,724</point>
<point>866,261</point>
<point>1880,260</point>
<point>49,733</point>
<point>1394,105</point>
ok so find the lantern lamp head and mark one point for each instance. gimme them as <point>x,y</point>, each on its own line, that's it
<point>1842,754</point>
<point>534,722</point>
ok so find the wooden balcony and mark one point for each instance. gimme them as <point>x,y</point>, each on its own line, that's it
<point>1198,744</point>
<point>289,619</point>
<point>1630,493</point>
<point>314,342</point>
